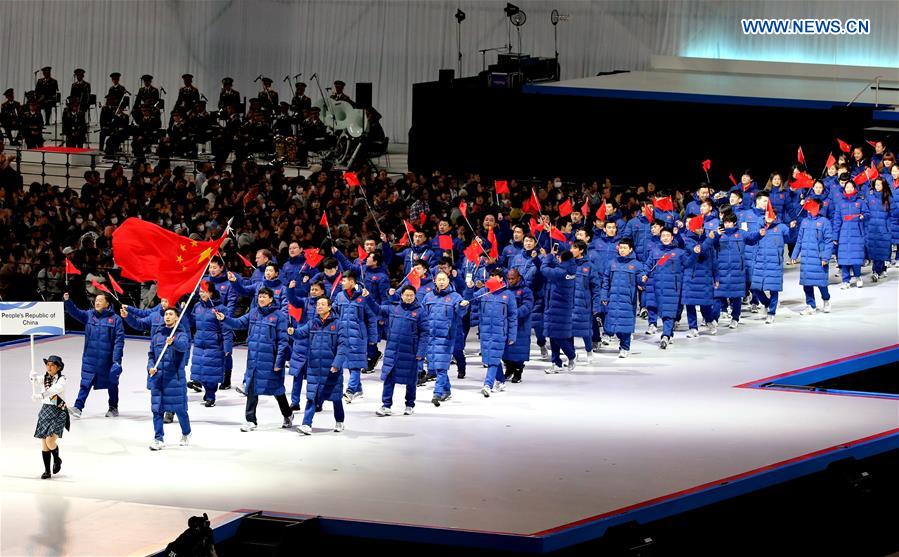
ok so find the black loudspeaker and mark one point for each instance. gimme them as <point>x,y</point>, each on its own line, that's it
<point>363,95</point>
<point>446,77</point>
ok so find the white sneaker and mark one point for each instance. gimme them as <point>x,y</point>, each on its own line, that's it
<point>875,277</point>
<point>624,353</point>
<point>827,306</point>
<point>589,358</point>
<point>754,308</point>
<point>692,333</point>
<point>555,369</point>
<point>606,340</point>
<point>338,427</point>
<point>249,426</point>
<point>651,330</point>
<point>809,310</point>
<point>713,328</point>
<point>408,411</point>
<point>305,429</point>
<point>733,324</point>
<point>572,363</point>
<point>384,411</point>
<point>544,353</point>
<point>185,440</point>
<point>844,286</point>
<point>769,320</point>
<point>499,387</point>
<point>858,282</point>
<point>485,390</point>
<point>157,445</point>
<point>663,344</point>
<point>75,412</point>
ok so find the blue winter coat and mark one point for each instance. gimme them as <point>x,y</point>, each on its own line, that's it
<point>408,336</point>
<point>559,304</point>
<point>227,303</point>
<point>520,350</point>
<point>754,219</point>
<point>375,280</point>
<point>606,249</point>
<point>878,239</point>
<point>667,278</point>
<point>207,362</point>
<point>259,272</point>
<point>104,341</point>
<point>267,348</point>
<point>498,322</point>
<point>168,388</point>
<point>587,301</point>
<point>700,278</point>
<point>849,229</point>
<point>293,269</point>
<point>413,253</point>
<point>639,229</point>
<point>326,348</point>
<point>894,214</point>
<point>514,248</point>
<point>525,265</point>
<point>358,324</point>
<point>445,322</point>
<point>768,265</point>
<point>814,244</point>
<point>786,207</point>
<point>731,246</point>
<point>619,293</point>
<point>248,288</point>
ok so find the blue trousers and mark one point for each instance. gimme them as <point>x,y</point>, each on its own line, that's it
<point>768,302</point>
<point>810,295</point>
<point>211,388</point>
<point>494,373</point>
<point>296,390</point>
<point>182,419</point>
<point>624,340</point>
<point>879,267</point>
<point>588,342</point>
<point>387,393</point>
<point>736,306</point>
<point>668,327</point>
<point>652,315</point>
<point>847,271</point>
<point>442,385</point>
<point>355,383</point>
<point>566,345</point>
<point>86,389</point>
<point>459,355</point>
<point>707,315</point>
<point>310,411</point>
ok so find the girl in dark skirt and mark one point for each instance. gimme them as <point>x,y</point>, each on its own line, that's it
<point>53,417</point>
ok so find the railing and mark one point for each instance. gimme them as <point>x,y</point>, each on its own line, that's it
<point>876,82</point>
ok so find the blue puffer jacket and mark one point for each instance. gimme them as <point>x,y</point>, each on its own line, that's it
<point>408,336</point>
<point>259,272</point>
<point>307,304</point>
<point>768,265</point>
<point>292,268</point>
<point>267,348</point>
<point>168,388</point>
<point>525,265</point>
<point>149,319</point>
<point>445,323</point>
<point>207,362</point>
<point>587,302</point>
<point>413,253</point>
<point>814,244</point>
<point>753,218</point>
<point>248,288</point>
<point>606,249</point>
<point>375,279</point>
<point>894,213</point>
<point>849,229</point>
<point>498,323</point>
<point>619,293</point>
<point>731,263</point>
<point>358,324</point>
<point>749,193</point>
<point>700,278</point>
<point>667,278</point>
<point>325,348</point>
<point>825,204</point>
<point>227,302</point>
<point>505,257</point>
<point>639,229</point>
<point>559,302</point>
<point>520,350</point>
<point>786,207</point>
<point>649,297</point>
<point>104,341</point>
<point>878,240</point>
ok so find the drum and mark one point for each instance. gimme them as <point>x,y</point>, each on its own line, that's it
<point>280,146</point>
<point>291,149</point>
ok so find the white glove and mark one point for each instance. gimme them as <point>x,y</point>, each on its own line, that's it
<point>33,375</point>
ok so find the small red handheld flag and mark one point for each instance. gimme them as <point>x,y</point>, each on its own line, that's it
<point>246,261</point>
<point>472,252</point>
<point>204,286</point>
<point>463,208</point>
<point>695,224</point>
<point>351,179</point>
<point>871,143</point>
<point>313,258</point>
<point>769,211</point>
<point>800,156</point>
<point>706,165</point>
<point>811,207</point>
<point>404,241</point>
<point>802,181</point>
<point>861,178</point>
<point>732,179</point>
<point>295,312</point>
<point>648,213</point>
<point>115,285</point>
<point>663,204</point>
<point>413,279</point>
<point>494,283</point>
<point>445,241</point>
<point>494,247</point>
<point>409,228</point>
<point>601,212</point>
<point>100,287</point>
<point>71,269</point>
<point>871,172</point>
<point>324,220</point>
<point>556,234</point>
<point>565,208</point>
<point>360,251</point>
<point>662,260</point>
<point>851,217</point>
<point>336,283</point>
<point>535,226</point>
<point>502,186</point>
<point>585,208</point>
<point>830,161</point>
<point>845,147</point>
<point>422,218</point>
<point>535,201</point>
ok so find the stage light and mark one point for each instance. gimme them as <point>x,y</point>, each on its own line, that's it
<point>460,16</point>
<point>511,9</point>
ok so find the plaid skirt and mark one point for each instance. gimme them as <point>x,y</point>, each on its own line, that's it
<point>51,420</point>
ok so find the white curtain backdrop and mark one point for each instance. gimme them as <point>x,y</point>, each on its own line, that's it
<point>394,43</point>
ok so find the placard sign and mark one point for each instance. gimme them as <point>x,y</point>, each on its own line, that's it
<point>32,318</point>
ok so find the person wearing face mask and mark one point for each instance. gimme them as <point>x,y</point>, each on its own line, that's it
<point>445,312</point>
<point>104,344</point>
<point>166,381</point>
<point>407,331</point>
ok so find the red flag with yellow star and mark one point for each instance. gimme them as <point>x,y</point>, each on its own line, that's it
<point>145,251</point>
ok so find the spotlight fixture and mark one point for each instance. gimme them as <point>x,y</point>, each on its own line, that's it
<point>511,9</point>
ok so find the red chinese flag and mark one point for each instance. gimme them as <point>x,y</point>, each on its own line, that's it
<point>404,241</point>
<point>747,186</point>
<point>585,208</point>
<point>446,241</point>
<point>601,212</point>
<point>472,252</point>
<point>556,234</point>
<point>851,217</point>
<point>413,279</point>
<point>802,181</point>
<point>463,208</point>
<point>363,255</point>
<point>422,218</point>
<point>502,186</point>
<point>662,260</point>
<point>246,261</point>
<point>861,178</point>
<point>871,143</point>
<point>769,211</point>
<point>812,207</point>
<point>695,224</point>
<point>71,269</point>
<point>324,220</point>
<point>535,226</point>
<point>100,287</point>
<point>845,147</point>
<point>830,161</point>
<point>409,228</point>
<point>800,156</point>
<point>663,204</point>
<point>146,252</point>
<point>494,283</point>
<point>295,312</point>
<point>494,248</point>
<point>313,258</point>
<point>204,286</point>
<point>732,179</point>
<point>536,201</point>
<point>351,179</point>
<point>648,213</point>
<point>115,285</point>
<point>565,208</point>
<point>706,165</point>
<point>871,172</point>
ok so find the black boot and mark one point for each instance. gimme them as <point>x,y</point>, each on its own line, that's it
<point>196,386</point>
<point>46,457</point>
<point>422,378</point>
<point>226,384</point>
<point>57,462</point>
<point>168,417</point>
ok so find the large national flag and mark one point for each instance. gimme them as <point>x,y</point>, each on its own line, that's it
<point>145,251</point>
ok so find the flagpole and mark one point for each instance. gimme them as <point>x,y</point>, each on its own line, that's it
<point>480,245</point>
<point>371,212</point>
<point>187,304</point>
